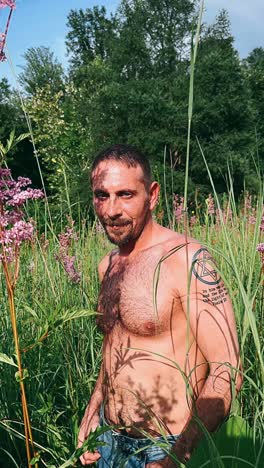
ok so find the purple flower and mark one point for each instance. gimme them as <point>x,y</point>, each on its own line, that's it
<point>260,248</point>
<point>261,227</point>
<point>252,219</point>
<point>193,220</point>
<point>178,203</point>
<point>65,242</point>
<point>10,3</point>
<point>68,263</point>
<point>247,202</point>
<point>210,205</point>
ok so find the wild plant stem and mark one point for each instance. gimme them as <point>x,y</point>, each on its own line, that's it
<point>27,426</point>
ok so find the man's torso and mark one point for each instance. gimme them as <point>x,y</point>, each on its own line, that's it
<point>149,350</point>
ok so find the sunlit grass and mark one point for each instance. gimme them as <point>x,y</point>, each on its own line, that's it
<point>61,345</point>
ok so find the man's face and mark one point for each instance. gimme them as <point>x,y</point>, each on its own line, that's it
<point>121,200</point>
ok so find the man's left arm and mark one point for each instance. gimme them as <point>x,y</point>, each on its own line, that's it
<point>210,315</point>
<point>211,318</point>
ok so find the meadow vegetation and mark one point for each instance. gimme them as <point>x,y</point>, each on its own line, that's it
<point>129,80</point>
<point>61,346</point>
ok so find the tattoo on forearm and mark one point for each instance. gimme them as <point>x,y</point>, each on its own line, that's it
<point>203,268</point>
<point>216,296</point>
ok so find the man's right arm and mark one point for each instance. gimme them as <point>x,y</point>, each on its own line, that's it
<point>90,420</point>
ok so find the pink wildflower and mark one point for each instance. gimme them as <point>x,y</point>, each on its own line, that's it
<point>247,202</point>
<point>13,229</point>
<point>252,216</point>
<point>193,220</point>
<point>261,227</point>
<point>260,249</point>
<point>178,203</point>
<point>210,205</point>
<point>68,264</point>
<point>67,261</point>
<point>10,3</point>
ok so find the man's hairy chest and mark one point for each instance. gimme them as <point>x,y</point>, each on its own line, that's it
<point>137,294</point>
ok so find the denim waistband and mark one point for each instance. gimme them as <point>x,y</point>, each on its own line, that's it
<point>134,443</point>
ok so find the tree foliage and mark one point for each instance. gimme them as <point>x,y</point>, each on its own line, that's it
<point>128,82</point>
<point>41,69</point>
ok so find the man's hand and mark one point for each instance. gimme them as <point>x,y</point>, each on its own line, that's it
<point>87,426</point>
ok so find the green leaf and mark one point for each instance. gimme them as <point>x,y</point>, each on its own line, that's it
<point>235,444</point>
<point>25,374</point>
<point>35,459</point>
<point>10,141</point>
<point>7,360</point>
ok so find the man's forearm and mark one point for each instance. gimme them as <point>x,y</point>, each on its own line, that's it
<point>211,407</point>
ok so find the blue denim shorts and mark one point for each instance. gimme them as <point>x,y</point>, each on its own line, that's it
<point>123,451</point>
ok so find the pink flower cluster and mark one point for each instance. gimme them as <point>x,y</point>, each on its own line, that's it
<point>210,205</point>
<point>193,220</point>
<point>261,227</point>
<point>65,241</point>
<point>13,229</point>
<point>10,3</point>
<point>260,249</point>
<point>178,203</point>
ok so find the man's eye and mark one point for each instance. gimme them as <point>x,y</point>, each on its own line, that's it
<point>101,196</point>
<point>126,194</point>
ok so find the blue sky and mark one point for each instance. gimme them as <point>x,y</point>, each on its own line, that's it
<point>43,22</point>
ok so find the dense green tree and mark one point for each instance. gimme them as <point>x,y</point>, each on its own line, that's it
<point>8,112</point>
<point>20,159</point>
<point>129,82</point>
<point>253,67</point>
<point>41,69</point>
<point>131,91</point>
<point>58,136</point>
<point>154,35</point>
<point>90,35</point>
<point>222,117</point>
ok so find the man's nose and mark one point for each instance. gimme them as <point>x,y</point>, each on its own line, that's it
<point>114,209</point>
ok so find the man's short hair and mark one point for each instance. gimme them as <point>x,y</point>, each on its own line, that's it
<point>126,154</point>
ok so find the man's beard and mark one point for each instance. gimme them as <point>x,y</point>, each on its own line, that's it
<point>131,236</point>
<point>117,238</point>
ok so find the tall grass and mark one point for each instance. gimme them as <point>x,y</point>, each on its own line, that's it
<point>61,346</point>
<point>60,343</point>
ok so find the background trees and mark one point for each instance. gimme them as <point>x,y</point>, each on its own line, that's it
<point>128,82</point>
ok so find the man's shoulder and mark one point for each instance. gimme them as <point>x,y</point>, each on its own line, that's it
<point>179,251</point>
<point>175,242</point>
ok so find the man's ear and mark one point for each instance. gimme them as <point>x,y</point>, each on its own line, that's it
<point>154,191</point>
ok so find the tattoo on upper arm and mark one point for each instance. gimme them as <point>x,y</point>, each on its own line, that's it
<point>215,296</point>
<point>203,267</point>
<point>204,270</point>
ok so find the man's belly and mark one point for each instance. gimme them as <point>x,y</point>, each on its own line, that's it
<point>149,388</point>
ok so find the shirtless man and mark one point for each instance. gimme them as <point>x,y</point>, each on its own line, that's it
<point>170,350</point>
